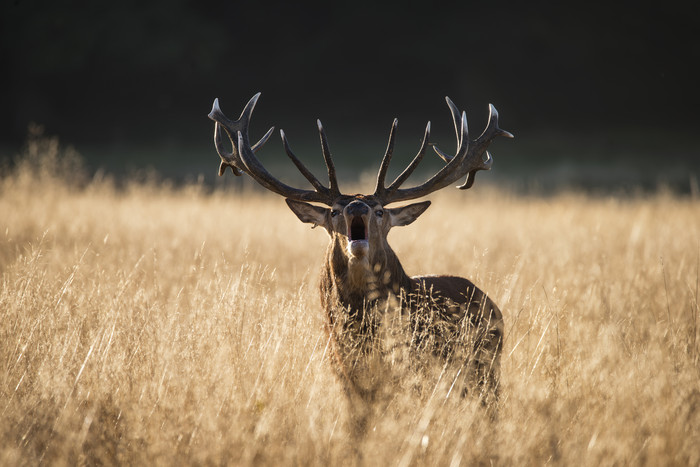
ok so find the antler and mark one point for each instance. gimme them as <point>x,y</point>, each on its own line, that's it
<point>242,158</point>
<point>467,160</point>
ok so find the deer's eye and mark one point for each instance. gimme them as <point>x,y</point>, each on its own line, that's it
<point>334,212</point>
<point>379,213</point>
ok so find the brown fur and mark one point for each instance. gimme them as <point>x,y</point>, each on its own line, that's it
<point>456,320</point>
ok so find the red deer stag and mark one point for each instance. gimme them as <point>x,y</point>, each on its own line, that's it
<point>361,274</point>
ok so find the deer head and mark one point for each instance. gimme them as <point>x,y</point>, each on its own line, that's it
<point>357,223</point>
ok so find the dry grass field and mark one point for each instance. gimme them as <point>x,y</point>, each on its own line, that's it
<point>157,325</point>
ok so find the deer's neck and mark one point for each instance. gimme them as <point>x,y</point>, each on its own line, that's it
<point>358,282</point>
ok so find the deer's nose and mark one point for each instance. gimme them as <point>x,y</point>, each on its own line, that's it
<point>356,208</point>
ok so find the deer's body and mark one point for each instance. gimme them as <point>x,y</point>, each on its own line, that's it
<point>355,290</point>
<point>361,276</point>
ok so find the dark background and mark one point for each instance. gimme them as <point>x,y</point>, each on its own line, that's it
<point>599,95</point>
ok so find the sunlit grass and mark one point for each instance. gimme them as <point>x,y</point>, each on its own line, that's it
<point>153,324</point>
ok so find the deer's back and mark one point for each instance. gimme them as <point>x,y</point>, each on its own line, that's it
<point>460,292</point>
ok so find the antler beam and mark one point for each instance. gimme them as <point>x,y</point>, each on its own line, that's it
<point>468,159</point>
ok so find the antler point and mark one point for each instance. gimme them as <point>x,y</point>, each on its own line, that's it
<point>215,109</point>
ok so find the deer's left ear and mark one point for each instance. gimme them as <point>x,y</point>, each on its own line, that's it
<point>407,214</point>
<point>308,213</point>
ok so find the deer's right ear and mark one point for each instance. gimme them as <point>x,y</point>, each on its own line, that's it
<point>308,213</point>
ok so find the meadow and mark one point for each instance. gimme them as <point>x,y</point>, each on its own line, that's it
<point>148,324</point>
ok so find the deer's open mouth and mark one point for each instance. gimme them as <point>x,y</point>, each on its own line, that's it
<point>357,230</point>
<point>358,244</point>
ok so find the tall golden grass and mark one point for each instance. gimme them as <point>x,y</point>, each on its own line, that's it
<point>150,324</point>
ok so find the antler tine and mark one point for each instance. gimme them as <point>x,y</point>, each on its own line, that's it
<point>243,159</point>
<point>218,116</point>
<point>228,159</point>
<point>461,130</point>
<point>257,146</point>
<point>492,126</point>
<point>260,174</point>
<point>332,179</point>
<point>384,167</point>
<point>414,163</point>
<point>457,121</point>
<point>302,168</point>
